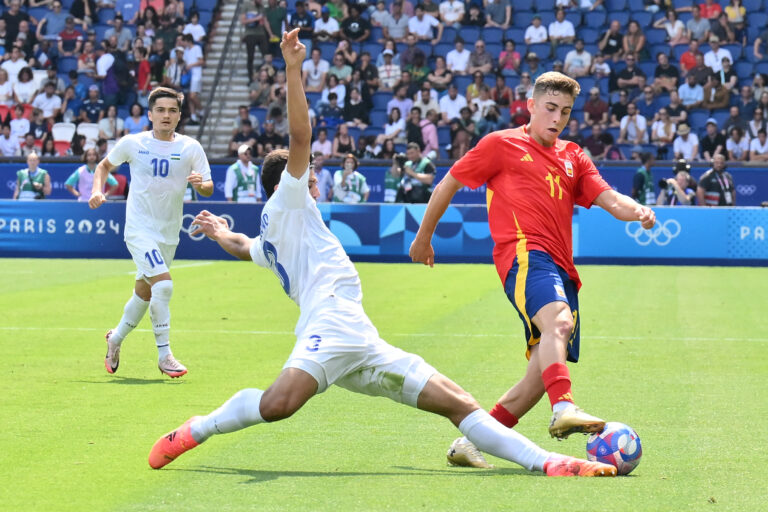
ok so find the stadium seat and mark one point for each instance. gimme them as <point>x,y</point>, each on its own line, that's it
<point>426,47</point>
<point>327,50</point>
<point>373,130</point>
<point>37,12</point>
<point>67,64</point>
<point>494,49</point>
<point>100,29</point>
<point>735,50</point>
<point>376,34</point>
<point>677,52</point>
<point>540,49</point>
<point>753,5</point>
<point>636,6</point>
<point>721,116</point>
<point>462,82</point>
<point>586,83</point>
<point>621,16</point>
<point>590,35</point>
<point>648,67</point>
<point>522,19</point>
<point>444,135</point>
<point>656,49</point>
<point>578,103</point>
<point>400,148</point>
<point>743,68</point>
<point>643,18</point>
<point>655,36</point>
<point>697,119</point>
<point>762,67</point>
<point>562,50</point>
<point>89,130</point>
<point>442,49</point>
<point>373,48</point>
<point>469,35</point>
<point>544,5</point>
<point>594,19</point>
<point>616,5</point>
<point>259,113</point>
<point>677,4</point>
<point>449,35</point>
<point>380,100</point>
<point>574,16</point>
<point>313,97</point>
<point>547,17</point>
<point>524,5</point>
<point>206,17</point>
<point>516,34</point>
<point>493,35</point>
<point>63,131</point>
<point>604,84</point>
<point>106,14</point>
<point>378,118</point>
<point>61,146</point>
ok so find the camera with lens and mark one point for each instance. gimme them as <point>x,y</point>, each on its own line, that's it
<point>400,160</point>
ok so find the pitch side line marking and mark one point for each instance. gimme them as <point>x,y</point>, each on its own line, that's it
<point>399,334</point>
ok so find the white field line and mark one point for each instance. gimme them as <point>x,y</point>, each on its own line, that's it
<point>405,335</point>
<point>183,265</point>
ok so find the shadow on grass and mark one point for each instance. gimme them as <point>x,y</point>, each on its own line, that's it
<point>263,475</point>
<point>132,381</point>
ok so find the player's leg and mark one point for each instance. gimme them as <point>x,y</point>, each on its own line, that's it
<point>443,396</point>
<point>133,312</point>
<point>248,407</point>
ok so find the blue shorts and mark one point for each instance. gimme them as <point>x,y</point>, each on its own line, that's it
<point>533,282</point>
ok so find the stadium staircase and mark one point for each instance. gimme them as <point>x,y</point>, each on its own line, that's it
<point>225,80</point>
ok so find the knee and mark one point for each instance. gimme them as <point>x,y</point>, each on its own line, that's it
<point>465,403</point>
<point>564,326</point>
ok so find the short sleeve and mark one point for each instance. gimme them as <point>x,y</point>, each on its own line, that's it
<point>478,166</point>
<point>590,183</point>
<point>72,180</point>
<point>121,152</point>
<point>200,162</point>
<point>111,181</point>
<point>257,253</point>
<point>292,193</point>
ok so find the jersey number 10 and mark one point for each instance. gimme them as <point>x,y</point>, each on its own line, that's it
<point>160,167</point>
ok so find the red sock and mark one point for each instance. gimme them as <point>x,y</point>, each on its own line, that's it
<point>503,416</point>
<point>557,382</point>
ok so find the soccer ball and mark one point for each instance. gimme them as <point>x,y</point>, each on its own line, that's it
<point>617,445</point>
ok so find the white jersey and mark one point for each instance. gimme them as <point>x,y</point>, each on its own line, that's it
<point>159,171</point>
<point>298,247</point>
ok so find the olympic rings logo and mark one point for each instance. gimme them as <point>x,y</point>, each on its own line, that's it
<point>661,235</point>
<point>746,190</point>
<point>188,228</point>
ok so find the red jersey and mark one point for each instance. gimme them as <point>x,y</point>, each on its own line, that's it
<point>532,190</point>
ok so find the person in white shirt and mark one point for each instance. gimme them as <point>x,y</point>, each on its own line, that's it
<point>758,148</point>
<point>336,343</point>
<point>561,30</point>
<point>451,12</point>
<point>162,163</point>
<point>326,28</point>
<point>422,25</point>
<point>242,183</point>
<point>686,144</point>
<point>632,129</point>
<point>578,61</point>
<point>536,32</point>
<point>19,124</point>
<point>713,59</point>
<point>13,65</point>
<point>457,60</point>
<point>451,105</point>
<point>9,145</point>
<point>48,102</point>
<point>194,28</point>
<point>313,71</point>
<point>193,58</point>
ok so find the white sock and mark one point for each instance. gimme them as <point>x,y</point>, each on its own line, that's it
<point>160,313</point>
<point>492,437</point>
<point>562,404</point>
<point>133,312</point>
<point>239,412</point>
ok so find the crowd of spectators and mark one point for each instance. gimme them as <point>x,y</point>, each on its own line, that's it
<point>687,83</point>
<point>76,74</point>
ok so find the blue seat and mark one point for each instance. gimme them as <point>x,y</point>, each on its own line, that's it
<point>516,34</point>
<point>678,51</point>
<point>762,67</point>
<point>547,17</point>
<point>721,115</point>
<point>544,5</point>
<point>86,80</point>
<point>649,68</point>
<point>523,5</point>
<point>735,50</point>
<point>259,113</point>
<point>522,19</point>
<point>540,49</point>
<point>586,83</point>
<point>697,119</point>
<point>400,148</point>
<point>578,103</point>
<point>743,68</point>
<point>376,34</point>
<point>753,5</point>
<point>494,49</point>
<point>636,6</point>
<point>443,135</point>
<point>590,35</point>
<point>313,97</point>
<point>643,18</point>
<point>449,35</point>
<point>462,82</point>
<point>67,64</point>
<point>373,48</point>
<point>37,12</point>
<point>354,132</point>
<point>493,35</point>
<point>380,100</point>
<point>594,18</point>
<point>562,50</point>
<point>378,118</point>
<point>574,17</point>
<point>442,49</point>
<point>616,5</point>
<point>106,14</point>
<point>372,130</point>
<point>604,85</point>
<point>100,29</point>
<point>206,17</point>
<point>621,16</point>
<point>469,35</point>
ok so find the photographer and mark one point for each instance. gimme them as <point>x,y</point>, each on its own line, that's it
<point>642,182</point>
<point>393,177</point>
<point>417,177</point>
<point>32,182</point>
<point>677,190</point>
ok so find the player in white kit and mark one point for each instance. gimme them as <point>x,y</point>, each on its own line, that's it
<point>336,342</point>
<point>162,163</point>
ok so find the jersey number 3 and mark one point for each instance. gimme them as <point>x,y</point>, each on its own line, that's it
<point>160,167</point>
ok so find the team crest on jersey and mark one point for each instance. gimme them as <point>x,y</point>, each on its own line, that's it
<point>559,290</point>
<point>569,168</point>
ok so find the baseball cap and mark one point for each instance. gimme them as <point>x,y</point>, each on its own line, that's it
<point>714,39</point>
<point>557,63</point>
<point>387,52</point>
<point>178,49</point>
<point>269,121</point>
<point>711,120</point>
<point>69,19</point>
<point>242,149</point>
<point>325,9</point>
<point>93,87</point>
<point>532,56</point>
<point>594,90</point>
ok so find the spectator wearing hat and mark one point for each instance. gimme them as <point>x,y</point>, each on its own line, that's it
<point>389,73</point>
<point>557,66</point>
<point>595,109</point>
<point>716,96</point>
<point>713,59</point>
<point>498,14</point>
<point>124,35</point>
<point>531,68</point>
<point>686,144</point>
<point>560,31</point>
<point>611,43</point>
<point>326,27</point>
<point>70,40</point>
<point>578,61</point>
<point>536,32</point>
<point>242,183</point>
<point>175,69</point>
<point>713,142</point>
<point>92,109</point>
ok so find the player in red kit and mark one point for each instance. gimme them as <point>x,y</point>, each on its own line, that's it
<point>534,180</point>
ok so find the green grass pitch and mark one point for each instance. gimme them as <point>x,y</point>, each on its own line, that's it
<point>678,353</point>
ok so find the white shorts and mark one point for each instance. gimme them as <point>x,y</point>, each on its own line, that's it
<point>341,346</point>
<point>196,83</point>
<point>151,258</point>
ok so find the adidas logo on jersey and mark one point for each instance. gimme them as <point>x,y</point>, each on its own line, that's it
<point>527,158</point>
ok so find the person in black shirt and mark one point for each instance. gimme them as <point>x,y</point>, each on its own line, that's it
<point>716,185</point>
<point>355,28</point>
<point>612,42</point>
<point>573,134</point>
<point>13,16</point>
<point>713,143</point>
<point>413,128</point>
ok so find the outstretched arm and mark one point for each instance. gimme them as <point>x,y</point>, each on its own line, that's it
<point>299,129</point>
<point>625,208</point>
<point>217,229</point>
<point>421,249</point>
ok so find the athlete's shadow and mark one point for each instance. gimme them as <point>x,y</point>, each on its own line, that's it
<point>259,475</point>
<point>130,381</point>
